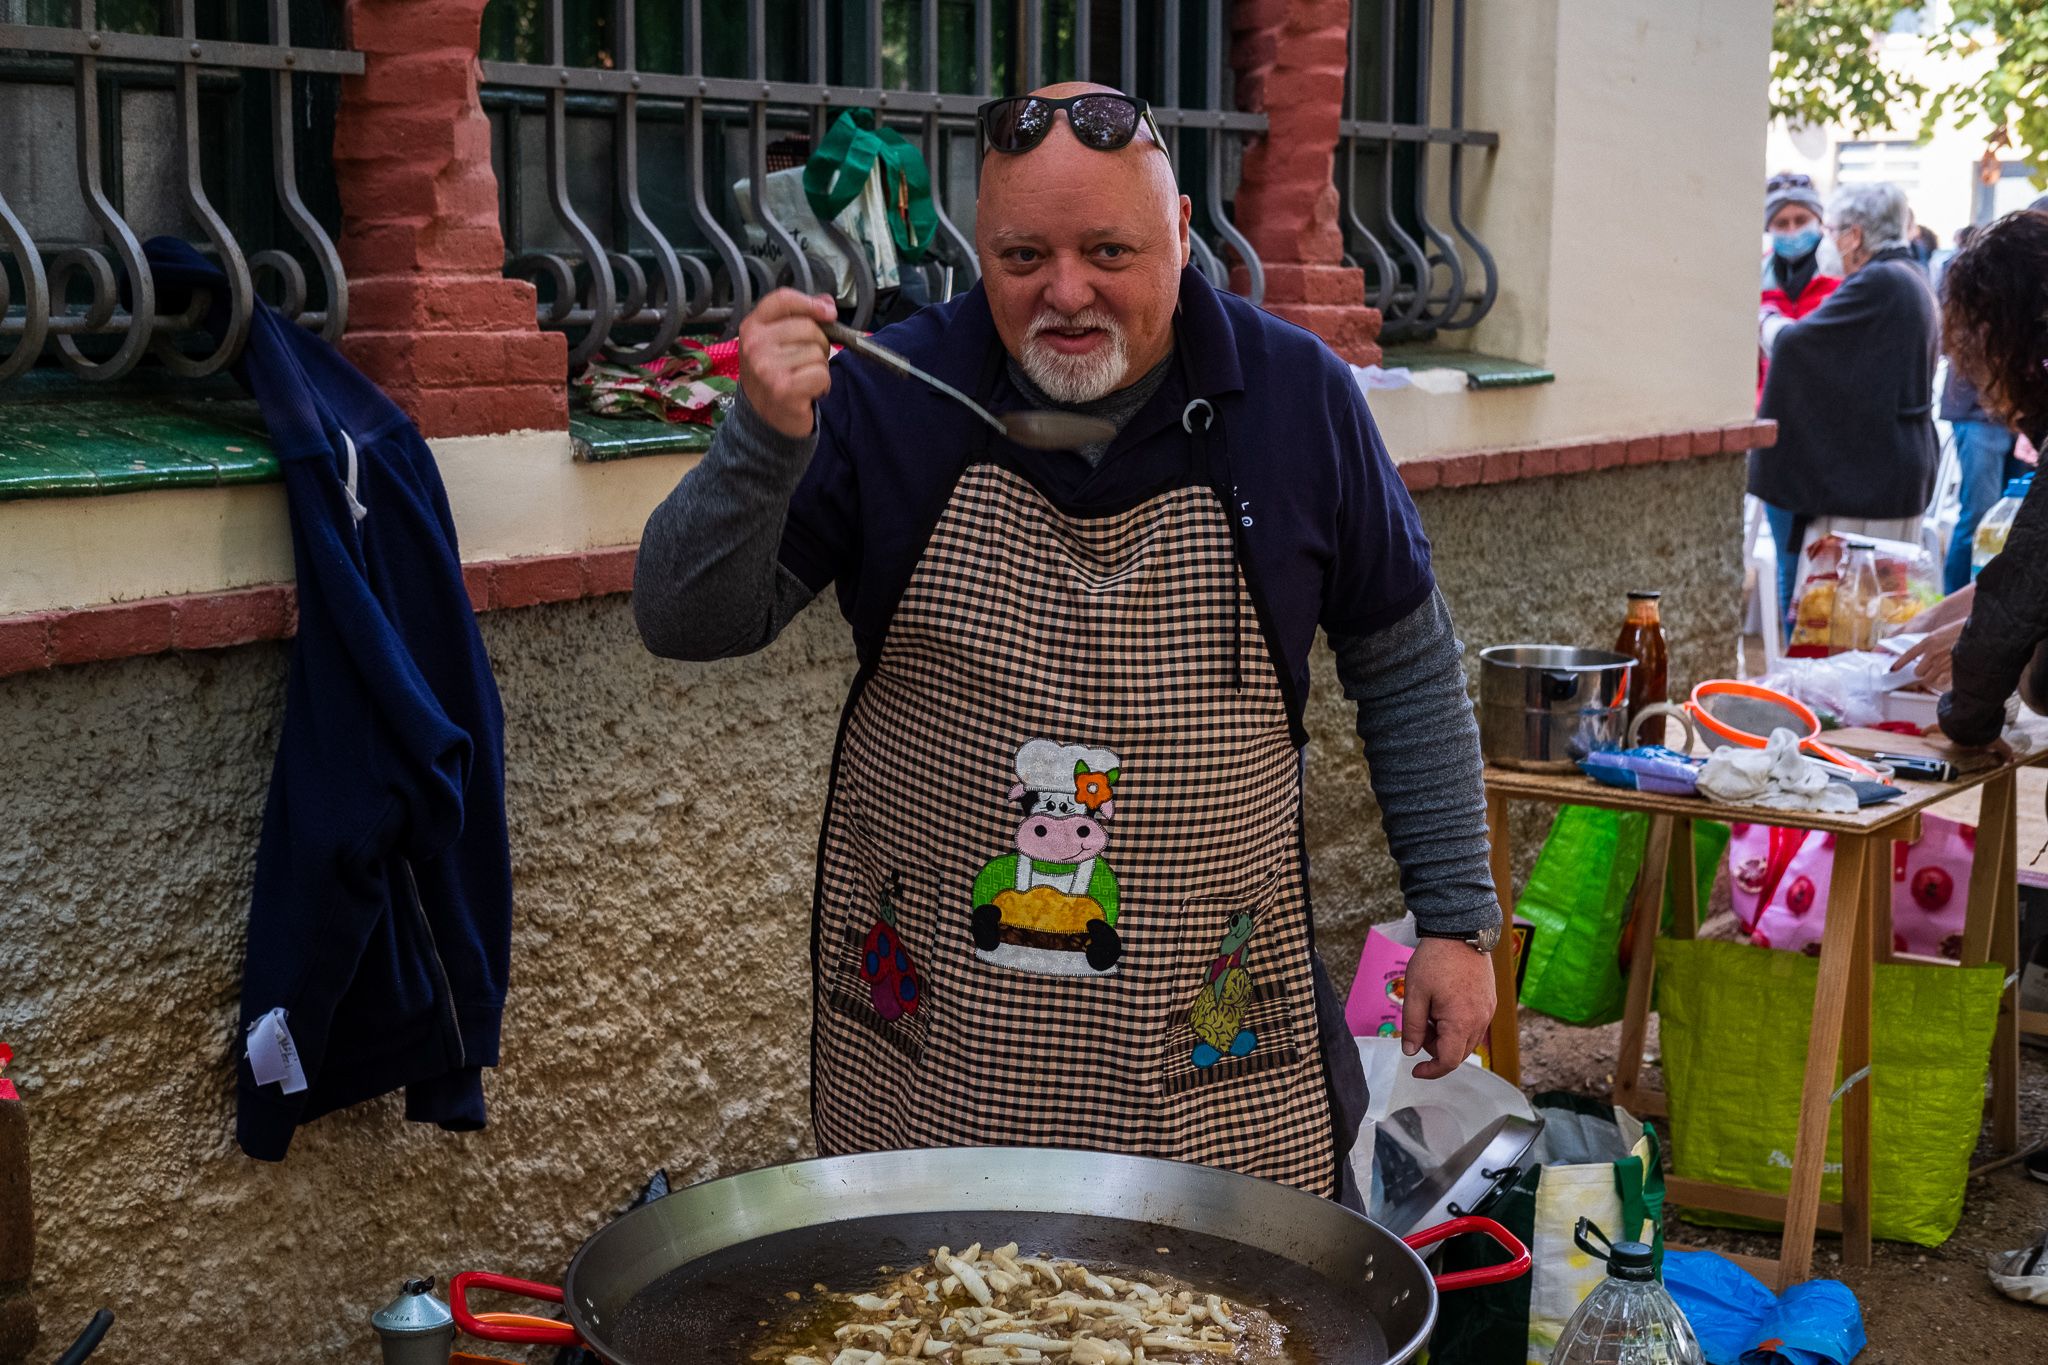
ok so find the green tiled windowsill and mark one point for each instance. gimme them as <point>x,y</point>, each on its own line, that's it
<point>1481,371</point>
<point>61,437</point>
<point>599,439</point>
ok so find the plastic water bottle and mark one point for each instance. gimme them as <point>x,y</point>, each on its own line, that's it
<point>1628,1319</point>
<point>1997,524</point>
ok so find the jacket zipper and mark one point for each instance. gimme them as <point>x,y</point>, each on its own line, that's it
<point>412,887</point>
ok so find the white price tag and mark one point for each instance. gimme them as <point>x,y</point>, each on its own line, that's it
<point>273,1057</point>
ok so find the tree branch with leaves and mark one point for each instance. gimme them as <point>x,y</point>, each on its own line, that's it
<point>1827,68</point>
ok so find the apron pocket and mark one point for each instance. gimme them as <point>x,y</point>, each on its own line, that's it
<point>872,972</point>
<point>1234,1019</point>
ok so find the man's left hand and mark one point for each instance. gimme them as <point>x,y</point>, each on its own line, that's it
<point>1449,1004</point>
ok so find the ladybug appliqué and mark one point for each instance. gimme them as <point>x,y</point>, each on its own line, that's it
<point>894,986</point>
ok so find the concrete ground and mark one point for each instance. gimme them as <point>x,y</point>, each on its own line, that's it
<point>1921,1306</point>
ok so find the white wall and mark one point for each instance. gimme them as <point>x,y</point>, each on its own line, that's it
<point>1623,207</point>
<point>523,493</point>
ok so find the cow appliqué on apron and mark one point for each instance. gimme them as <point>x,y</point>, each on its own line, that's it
<point>1051,906</point>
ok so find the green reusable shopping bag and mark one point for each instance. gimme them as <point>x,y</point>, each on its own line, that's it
<point>1735,1021</point>
<point>1578,900</point>
<point>838,170</point>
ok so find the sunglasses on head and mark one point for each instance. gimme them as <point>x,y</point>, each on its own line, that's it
<point>1103,121</point>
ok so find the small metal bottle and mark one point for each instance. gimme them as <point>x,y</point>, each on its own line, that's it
<point>416,1328</point>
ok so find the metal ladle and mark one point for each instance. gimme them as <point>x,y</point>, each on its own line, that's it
<point>1036,428</point>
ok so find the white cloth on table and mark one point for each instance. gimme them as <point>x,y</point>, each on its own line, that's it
<point>1775,777</point>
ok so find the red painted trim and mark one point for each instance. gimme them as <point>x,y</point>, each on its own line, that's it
<point>126,630</point>
<point>1464,469</point>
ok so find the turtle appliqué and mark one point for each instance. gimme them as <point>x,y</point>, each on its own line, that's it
<point>1217,1014</point>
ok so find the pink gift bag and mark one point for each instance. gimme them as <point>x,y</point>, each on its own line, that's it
<point>1373,1008</point>
<point>1780,881</point>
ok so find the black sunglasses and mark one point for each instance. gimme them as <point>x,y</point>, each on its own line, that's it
<point>1018,123</point>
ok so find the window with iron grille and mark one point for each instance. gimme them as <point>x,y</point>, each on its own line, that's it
<point>1401,173</point>
<point>212,120</point>
<point>620,128</point>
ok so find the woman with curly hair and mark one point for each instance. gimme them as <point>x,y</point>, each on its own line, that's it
<point>1995,326</point>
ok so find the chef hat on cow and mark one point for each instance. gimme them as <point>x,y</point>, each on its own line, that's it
<point>1044,766</point>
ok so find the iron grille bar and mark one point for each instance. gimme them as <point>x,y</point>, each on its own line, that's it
<point>984,55</point>
<point>955,244</point>
<point>1378,131</point>
<point>908,103</point>
<point>1447,250</point>
<point>1254,268</point>
<point>757,106</point>
<point>1034,45</point>
<point>1381,277</point>
<point>148,47</point>
<point>1474,308</point>
<point>1422,279</point>
<point>795,268</point>
<point>1128,48</point>
<point>865,288</point>
<point>54,277</point>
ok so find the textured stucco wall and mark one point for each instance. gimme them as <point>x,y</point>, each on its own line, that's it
<point>664,822</point>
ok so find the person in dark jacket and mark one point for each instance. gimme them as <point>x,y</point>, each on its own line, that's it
<point>1851,388</point>
<point>381,919</point>
<point>1995,321</point>
<point>1984,456</point>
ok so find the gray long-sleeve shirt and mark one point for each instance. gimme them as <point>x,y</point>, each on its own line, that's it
<point>709,584</point>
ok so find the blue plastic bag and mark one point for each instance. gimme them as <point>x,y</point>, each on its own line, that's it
<point>1740,1322</point>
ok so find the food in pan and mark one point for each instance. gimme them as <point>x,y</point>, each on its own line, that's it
<point>992,1307</point>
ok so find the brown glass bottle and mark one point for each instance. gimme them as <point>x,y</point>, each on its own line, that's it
<point>1642,639</point>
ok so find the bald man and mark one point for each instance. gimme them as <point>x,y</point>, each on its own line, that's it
<point>1062,893</point>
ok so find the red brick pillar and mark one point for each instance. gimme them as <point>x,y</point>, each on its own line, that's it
<point>430,316</point>
<point>1289,56</point>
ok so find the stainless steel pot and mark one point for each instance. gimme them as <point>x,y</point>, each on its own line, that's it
<point>689,1278</point>
<point>1542,708</point>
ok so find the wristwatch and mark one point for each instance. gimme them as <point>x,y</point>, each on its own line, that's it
<point>1484,941</point>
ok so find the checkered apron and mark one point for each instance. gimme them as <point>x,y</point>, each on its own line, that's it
<point>1047,673</point>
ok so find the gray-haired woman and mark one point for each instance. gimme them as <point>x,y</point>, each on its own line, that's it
<point>1851,387</point>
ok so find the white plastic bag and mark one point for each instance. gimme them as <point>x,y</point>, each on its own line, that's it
<point>865,221</point>
<point>1847,688</point>
<point>1433,1117</point>
<point>2022,1274</point>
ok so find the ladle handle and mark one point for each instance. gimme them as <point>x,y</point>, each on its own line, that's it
<point>840,334</point>
<point>1681,714</point>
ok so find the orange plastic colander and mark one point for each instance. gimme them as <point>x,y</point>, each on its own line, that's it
<point>1745,715</point>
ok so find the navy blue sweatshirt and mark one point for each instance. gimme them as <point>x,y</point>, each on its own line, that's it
<point>381,918</point>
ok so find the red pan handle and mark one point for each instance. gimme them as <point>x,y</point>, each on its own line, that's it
<point>1516,1266</point>
<point>458,1304</point>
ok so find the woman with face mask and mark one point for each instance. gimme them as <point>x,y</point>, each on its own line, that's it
<point>1794,281</point>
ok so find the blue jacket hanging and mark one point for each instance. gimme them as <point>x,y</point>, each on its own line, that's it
<point>381,920</point>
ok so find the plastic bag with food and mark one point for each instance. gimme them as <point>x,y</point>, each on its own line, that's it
<point>1907,583</point>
